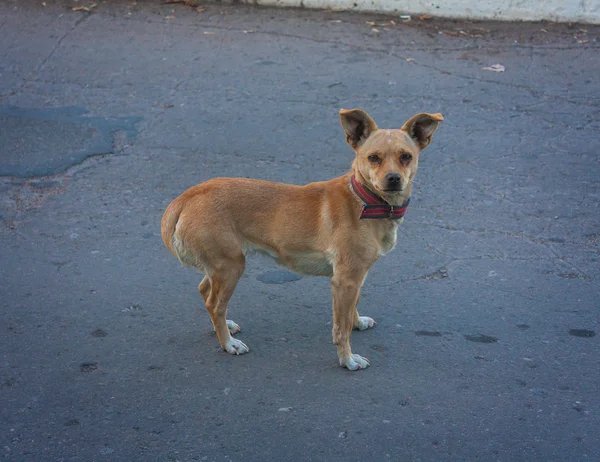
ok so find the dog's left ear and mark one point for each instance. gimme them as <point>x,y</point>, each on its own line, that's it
<point>358,126</point>
<point>421,127</point>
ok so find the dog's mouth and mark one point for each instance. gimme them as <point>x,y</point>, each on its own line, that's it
<point>393,189</point>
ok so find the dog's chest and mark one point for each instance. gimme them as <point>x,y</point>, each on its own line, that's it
<point>387,237</point>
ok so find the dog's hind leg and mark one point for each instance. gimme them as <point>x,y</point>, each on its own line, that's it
<point>204,289</point>
<point>223,281</point>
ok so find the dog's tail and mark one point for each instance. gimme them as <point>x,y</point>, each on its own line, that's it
<point>169,224</point>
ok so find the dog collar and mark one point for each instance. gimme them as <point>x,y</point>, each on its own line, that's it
<point>374,206</point>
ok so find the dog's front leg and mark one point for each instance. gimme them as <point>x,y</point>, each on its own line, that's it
<point>346,292</point>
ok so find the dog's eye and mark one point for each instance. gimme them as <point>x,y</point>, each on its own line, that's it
<point>374,158</point>
<point>405,158</point>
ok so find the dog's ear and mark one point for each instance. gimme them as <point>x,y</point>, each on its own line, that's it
<point>421,127</point>
<point>358,126</point>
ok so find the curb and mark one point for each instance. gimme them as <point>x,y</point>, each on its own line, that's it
<point>498,10</point>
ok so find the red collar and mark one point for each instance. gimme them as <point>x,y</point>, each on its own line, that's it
<point>374,206</point>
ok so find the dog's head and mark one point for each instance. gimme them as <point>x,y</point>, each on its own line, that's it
<point>387,160</point>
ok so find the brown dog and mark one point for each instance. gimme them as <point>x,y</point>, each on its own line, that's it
<point>335,228</point>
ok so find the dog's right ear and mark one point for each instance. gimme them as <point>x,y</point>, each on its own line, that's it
<point>358,126</point>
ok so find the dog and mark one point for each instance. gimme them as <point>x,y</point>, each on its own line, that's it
<point>336,228</point>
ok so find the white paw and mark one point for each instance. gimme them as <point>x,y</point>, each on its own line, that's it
<point>364,322</point>
<point>236,347</point>
<point>355,362</point>
<point>233,327</point>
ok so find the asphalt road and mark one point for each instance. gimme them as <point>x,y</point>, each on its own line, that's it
<point>488,309</point>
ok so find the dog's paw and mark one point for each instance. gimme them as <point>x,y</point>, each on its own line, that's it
<point>355,362</point>
<point>364,322</point>
<point>233,327</point>
<point>236,347</point>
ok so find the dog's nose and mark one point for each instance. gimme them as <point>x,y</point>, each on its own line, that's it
<point>394,180</point>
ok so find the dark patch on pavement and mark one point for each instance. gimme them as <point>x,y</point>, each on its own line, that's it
<point>480,338</point>
<point>427,333</point>
<point>88,366</point>
<point>523,326</point>
<point>99,333</point>
<point>278,277</point>
<point>9,382</point>
<point>582,333</point>
<point>43,142</point>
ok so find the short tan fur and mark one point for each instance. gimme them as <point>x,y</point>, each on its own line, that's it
<point>313,229</point>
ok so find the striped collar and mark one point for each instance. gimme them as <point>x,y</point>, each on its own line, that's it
<point>375,206</point>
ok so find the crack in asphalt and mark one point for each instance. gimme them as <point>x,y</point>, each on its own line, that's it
<point>40,67</point>
<point>57,46</point>
<point>533,92</point>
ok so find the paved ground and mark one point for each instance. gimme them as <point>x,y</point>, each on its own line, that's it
<point>487,311</point>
